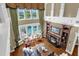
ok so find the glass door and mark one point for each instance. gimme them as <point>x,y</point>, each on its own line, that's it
<point>34,29</point>
<point>39,29</point>
<point>22,32</point>
<point>29,30</point>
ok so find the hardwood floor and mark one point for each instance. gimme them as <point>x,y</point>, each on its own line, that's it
<point>18,51</point>
<point>52,48</point>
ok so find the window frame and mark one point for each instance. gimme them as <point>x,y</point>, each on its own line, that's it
<point>26,25</point>
<point>24,12</point>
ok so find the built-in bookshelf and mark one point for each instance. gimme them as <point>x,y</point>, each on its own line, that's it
<point>65,35</point>
<point>53,34</point>
<point>56,35</point>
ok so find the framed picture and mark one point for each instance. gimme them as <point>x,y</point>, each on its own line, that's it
<point>56,30</point>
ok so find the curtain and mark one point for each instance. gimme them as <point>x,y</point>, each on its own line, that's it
<point>12,38</point>
<point>14,19</point>
<point>41,20</point>
<point>26,5</point>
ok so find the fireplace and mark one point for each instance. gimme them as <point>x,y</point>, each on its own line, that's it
<point>54,40</point>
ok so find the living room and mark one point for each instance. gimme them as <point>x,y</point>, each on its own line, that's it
<point>43,29</point>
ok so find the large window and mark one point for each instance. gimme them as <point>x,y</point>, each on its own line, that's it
<point>27,14</point>
<point>29,30</point>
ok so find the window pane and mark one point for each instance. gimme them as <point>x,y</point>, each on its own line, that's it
<point>29,30</point>
<point>23,29</point>
<point>39,28</point>
<point>33,13</point>
<point>34,29</point>
<point>21,13</point>
<point>27,13</point>
<point>23,32</point>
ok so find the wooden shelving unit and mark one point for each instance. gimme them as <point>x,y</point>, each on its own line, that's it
<point>61,39</point>
<point>51,33</point>
<point>65,35</point>
<point>52,37</point>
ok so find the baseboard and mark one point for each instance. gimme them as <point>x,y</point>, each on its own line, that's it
<point>21,42</point>
<point>12,50</point>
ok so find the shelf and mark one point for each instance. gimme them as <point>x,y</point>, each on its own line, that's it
<point>66,31</point>
<point>54,34</point>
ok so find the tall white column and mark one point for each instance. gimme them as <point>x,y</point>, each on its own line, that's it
<point>77,13</point>
<point>62,10</point>
<point>52,10</point>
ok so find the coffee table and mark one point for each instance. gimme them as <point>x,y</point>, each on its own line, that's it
<point>43,50</point>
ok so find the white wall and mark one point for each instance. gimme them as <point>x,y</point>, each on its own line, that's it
<point>72,21</point>
<point>4,31</point>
